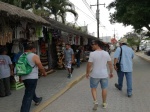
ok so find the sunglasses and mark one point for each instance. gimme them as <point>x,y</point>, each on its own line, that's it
<point>92,44</point>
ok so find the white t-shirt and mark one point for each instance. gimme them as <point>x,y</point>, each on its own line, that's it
<point>99,60</point>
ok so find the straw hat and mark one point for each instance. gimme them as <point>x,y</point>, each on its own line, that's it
<point>123,40</point>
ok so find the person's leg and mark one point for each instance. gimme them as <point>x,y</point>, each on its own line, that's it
<point>7,86</point>
<point>104,95</point>
<point>30,85</point>
<point>36,99</point>
<point>93,84</point>
<point>2,88</point>
<point>104,85</point>
<point>70,69</point>
<point>78,62</point>
<point>120,79</point>
<point>94,93</point>
<point>129,83</point>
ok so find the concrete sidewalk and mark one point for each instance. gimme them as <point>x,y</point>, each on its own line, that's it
<point>49,87</point>
<point>143,56</point>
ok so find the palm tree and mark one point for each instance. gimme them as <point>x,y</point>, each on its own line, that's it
<point>59,8</point>
<point>13,2</point>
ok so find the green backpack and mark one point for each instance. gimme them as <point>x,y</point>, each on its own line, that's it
<point>22,66</point>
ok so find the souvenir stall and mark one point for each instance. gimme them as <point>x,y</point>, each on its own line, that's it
<point>58,46</point>
<point>45,50</point>
<point>17,28</point>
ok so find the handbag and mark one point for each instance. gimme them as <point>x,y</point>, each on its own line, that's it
<point>118,65</point>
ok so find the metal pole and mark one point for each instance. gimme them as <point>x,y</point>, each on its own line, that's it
<point>97,17</point>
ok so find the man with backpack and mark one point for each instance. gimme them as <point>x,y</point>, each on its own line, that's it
<point>30,80</point>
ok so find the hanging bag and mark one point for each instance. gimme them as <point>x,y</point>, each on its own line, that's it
<point>22,66</point>
<point>118,64</point>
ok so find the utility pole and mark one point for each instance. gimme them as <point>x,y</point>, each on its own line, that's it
<point>114,33</point>
<point>97,16</point>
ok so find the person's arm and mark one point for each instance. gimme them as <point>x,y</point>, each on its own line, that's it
<point>110,68</point>
<point>72,57</point>
<point>116,56</point>
<point>89,65</point>
<point>88,69</point>
<point>11,69</point>
<point>37,61</point>
<point>11,66</point>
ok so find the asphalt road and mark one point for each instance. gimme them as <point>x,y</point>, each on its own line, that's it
<point>79,99</point>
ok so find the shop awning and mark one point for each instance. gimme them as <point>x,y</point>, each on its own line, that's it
<point>68,29</point>
<point>18,13</point>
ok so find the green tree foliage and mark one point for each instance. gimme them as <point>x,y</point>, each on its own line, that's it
<point>59,8</point>
<point>46,8</point>
<point>131,12</point>
<point>133,39</point>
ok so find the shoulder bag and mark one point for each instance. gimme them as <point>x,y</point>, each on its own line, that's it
<point>118,65</point>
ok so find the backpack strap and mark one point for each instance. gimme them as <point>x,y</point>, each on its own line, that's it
<point>120,55</point>
<point>26,54</point>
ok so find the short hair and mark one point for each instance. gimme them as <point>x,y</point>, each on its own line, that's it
<point>98,42</point>
<point>68,44</point>
<point>29,46</point>
<point>2,49</point>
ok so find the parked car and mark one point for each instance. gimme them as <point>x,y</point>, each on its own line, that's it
<point>147,51</point>
<point>142,47</point>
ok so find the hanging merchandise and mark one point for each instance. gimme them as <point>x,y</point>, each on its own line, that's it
<point>60,46</point>
<point>43,55</point>
<point>15,47</point>
<point>33,36</point>
<point>20,30</point>
<point>5,33</point>
<point>85,41</point>
<point>77,40</point>
<point>50,37</point>
<point>39,31</point>
<point>5,37</point>
<point>70,38</point>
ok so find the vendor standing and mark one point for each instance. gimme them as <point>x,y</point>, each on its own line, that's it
<point>6,70</point>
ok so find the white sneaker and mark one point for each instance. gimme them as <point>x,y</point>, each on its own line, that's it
<point>95,105</point>
<point>104,105</point>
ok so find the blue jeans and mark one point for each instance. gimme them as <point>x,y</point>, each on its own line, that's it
<point>78,62</point>
<point>30,86</point>
<point>128,76</point>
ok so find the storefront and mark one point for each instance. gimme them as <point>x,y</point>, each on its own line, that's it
<point>17,28</point>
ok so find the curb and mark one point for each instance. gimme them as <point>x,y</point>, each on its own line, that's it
<point>57,95</point>
<point>143,57</point>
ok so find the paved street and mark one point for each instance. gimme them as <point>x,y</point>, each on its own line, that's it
<point>79,99</point>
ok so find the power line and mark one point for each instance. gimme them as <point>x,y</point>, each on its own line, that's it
<point>87,5</point>
<point>93,19</point>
